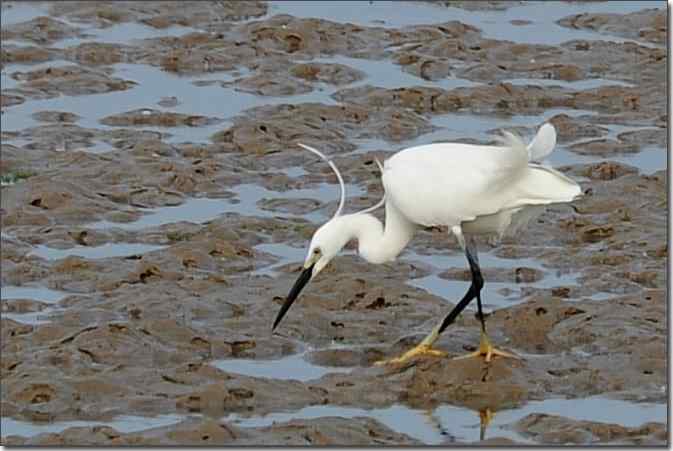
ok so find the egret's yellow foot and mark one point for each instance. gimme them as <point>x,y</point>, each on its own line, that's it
<point>420,350</point>
<point>487,350</point>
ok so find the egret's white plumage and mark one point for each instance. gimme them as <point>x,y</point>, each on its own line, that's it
<point>448,184</point>
<point>472,189</point>
<point>543,143</point>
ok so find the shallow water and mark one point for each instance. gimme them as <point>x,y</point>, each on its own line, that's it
<point>41,294</point>
<point>287,254</point>
<point>32,318</point>
<point>17,12</point>
<point>200,210</point>
<point>107,250</point>
<point>119,33</point>
<point>494,24</point>
<point>451,423</point>
<point>36,293</point>
<point>589,83</point>
<point>453,290</point>
<point>294,367</point>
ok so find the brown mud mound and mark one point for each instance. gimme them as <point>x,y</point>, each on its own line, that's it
<point>41,30</point>
<point>648,24</point>
<point>558,430</point>
<point>148,117</point>
<point>68,80</point>
<point>159,15</point>
<point>277,128</point>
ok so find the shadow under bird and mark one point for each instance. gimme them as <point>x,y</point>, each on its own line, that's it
<point>472,189</point>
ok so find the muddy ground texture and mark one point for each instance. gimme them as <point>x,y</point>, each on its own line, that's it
<point>137,335</point>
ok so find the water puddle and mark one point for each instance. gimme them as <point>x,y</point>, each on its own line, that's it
<point>414,423</point>
<point>41,294</point>
<point>153,85</point>
<point>649,159</point>
<point>293,367</point>
<point>295,171</point>
<point>201,210</point>
<point>449,423</point>
<point>122,33</point>
<point>107,250</point>
<point>17,12</point>
<point>543,15</point>
<point>492,293</point>
<point>32,318</point>
<point>124,424</point>
<point>455,126</point>
<point>287,254</point>
<point>388,14</point>
<point>596,408</point>
<point>579,85</point>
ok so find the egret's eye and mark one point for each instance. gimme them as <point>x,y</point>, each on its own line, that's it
<point>316,251</point>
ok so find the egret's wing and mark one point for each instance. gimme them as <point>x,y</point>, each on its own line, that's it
<point>543,144</point>
<point>448,183</point>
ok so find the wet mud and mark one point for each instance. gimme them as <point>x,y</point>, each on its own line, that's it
<point>156,208</point>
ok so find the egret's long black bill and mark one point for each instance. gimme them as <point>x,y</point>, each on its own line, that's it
<point>301,282</point>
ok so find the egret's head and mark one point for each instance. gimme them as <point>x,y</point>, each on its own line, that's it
<point>326,243</point>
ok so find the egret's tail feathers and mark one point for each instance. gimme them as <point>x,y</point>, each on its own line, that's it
<point>543,143</point>
<point>511,140</point>
<point>518,157</point>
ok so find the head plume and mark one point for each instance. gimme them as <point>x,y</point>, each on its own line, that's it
<point>342,201</point>
<point>342,186</point>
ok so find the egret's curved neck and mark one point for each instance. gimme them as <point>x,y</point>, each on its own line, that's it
<point>375,244</point>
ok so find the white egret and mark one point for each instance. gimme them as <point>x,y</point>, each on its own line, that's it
<point>472,189</point>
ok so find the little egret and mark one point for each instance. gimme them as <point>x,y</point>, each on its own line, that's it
<point>472,189</point>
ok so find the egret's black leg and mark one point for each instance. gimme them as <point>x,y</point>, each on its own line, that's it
<point>486,349</point>
<point>472,292</point>
<point>477,278</point>
<point>425,346</point>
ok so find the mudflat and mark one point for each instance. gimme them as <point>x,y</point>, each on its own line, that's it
<point>156,209</point>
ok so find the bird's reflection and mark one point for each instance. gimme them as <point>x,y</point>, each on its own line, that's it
<point>485,416</point>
